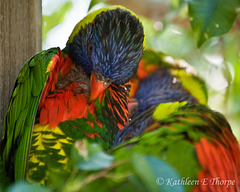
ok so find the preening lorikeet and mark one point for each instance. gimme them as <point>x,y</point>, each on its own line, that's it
<point>195,140</point>
<point>64,95</point>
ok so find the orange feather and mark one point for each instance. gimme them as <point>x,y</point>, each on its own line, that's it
<point>217,161</point>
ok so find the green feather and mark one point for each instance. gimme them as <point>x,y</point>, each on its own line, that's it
<point>21,113</point>
<point>37,83</point>
<point>163,110</point>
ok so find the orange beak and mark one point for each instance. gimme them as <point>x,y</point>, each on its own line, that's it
<point>97,87</point>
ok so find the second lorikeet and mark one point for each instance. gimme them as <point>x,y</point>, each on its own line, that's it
<point>194,140</point>
<point>168,123</point>
<point>64,95</point>
<point>159,81</point>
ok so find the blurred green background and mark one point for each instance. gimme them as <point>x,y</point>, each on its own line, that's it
<point>208,39</point>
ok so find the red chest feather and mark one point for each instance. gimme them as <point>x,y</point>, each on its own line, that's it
<point>65,104</point>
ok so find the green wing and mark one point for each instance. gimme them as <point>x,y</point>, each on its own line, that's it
<point>20,116</point>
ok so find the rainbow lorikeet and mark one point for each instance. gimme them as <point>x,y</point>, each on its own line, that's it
<point>64,95</point>
<point>171,125</point>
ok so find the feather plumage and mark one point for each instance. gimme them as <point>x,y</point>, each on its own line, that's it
<point>193,139</point>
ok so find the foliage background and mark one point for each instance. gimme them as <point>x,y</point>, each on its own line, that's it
<point>183,32</point>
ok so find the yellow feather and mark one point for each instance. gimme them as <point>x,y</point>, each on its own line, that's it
<point>194,86</point>
<point>49,64</point>
<point>43,134</point>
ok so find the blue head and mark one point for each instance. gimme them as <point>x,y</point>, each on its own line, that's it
<point>111,46</point>
<point>108,47</point>
<point>161,87</point>
<point>117,46</point>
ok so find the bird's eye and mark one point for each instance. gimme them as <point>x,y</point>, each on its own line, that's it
<point>108,80</point>
<point>90,48</point>
<point>128,136</point>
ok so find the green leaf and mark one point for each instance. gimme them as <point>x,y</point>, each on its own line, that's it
<point>26,187</point>
<point>187,166</point>
<point>95,2</point>
<point>211,18</point>
<point>174,41</point>
<point>49,22</point>
<point>90,156</point>
<point>155,173</point>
